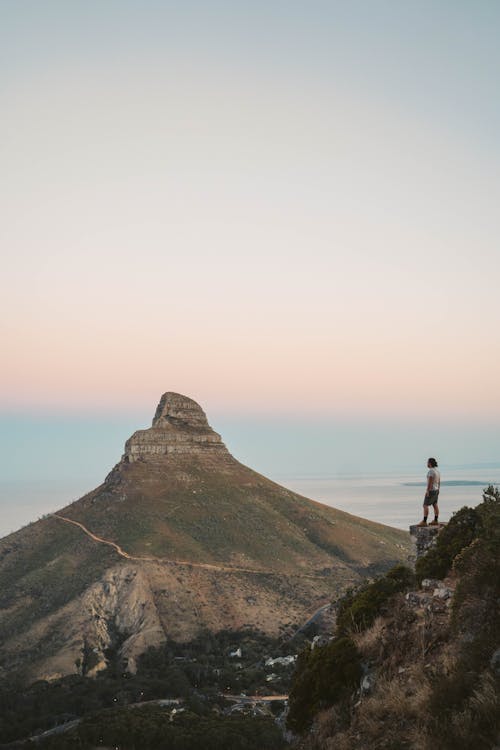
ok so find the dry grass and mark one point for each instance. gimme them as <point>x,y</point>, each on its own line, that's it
<point>392,717</point>
<point>371,642</point>
<point>405,697</point>
<point>395,715</point>
<point>327,733</point>
<point>469,728</point>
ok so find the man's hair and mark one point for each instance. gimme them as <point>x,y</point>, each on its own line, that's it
<point>432,461</point>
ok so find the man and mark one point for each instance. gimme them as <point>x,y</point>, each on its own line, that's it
<point>432,492</point>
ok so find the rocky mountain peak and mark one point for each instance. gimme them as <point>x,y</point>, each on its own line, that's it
<point>179,410</point>
<point>179,426</point>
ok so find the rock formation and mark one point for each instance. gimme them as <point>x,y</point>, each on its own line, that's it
<point>179,426</point>
<point>424,537</point>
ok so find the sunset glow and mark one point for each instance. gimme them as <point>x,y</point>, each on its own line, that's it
<point>270,209</point>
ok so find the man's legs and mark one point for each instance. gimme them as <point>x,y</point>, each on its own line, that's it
<point>436,514</point>
<point>423,522</point>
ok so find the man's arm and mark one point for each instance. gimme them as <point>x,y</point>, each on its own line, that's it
<point>430,481</point>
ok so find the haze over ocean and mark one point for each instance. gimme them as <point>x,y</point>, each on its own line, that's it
<point>370,470</point>
<point>286,211</point>
<point>391,498</point>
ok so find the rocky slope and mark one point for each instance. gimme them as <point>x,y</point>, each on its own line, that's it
<point>179,537</point>
<point>423,652</point>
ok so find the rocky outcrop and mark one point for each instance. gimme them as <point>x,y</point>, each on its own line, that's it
<point>181,411</point>
<point>116,614</point>
<point>424,537</point>
<point>180,426</point>
<point>121,615</point>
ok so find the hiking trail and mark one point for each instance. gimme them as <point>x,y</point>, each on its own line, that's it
<point>163,560</point>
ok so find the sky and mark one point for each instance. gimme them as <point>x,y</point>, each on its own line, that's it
<point>285,210</point>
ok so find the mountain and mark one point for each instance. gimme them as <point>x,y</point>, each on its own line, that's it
<point>180,537</point>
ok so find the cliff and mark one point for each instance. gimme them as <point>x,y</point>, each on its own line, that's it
<point>180,427</point>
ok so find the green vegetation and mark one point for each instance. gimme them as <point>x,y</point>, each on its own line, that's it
<point>205,516</point>
<point>155,728</point>
<point>202,667</point>
<point>328,675</point>
<point>457,534</point>
<point>41,571</point>
<point>359,608</point>
<point>465,526</point>
<point>469,694</point>
<point>457,702</point>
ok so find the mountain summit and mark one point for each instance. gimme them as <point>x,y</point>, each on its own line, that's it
<point>180,426</point>
<point>180,537</point>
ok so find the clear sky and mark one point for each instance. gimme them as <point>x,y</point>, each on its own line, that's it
<point>286,210</point>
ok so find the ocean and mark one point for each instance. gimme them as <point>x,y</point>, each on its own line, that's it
<point>394,498</point>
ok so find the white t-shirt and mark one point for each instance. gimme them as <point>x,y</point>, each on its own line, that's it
<point>436,478</point>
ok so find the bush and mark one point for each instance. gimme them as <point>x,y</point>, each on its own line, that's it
<point>175,670</point>
<point>461,530</point>
<point>325,675</point>
<point>464,527</point>
<point>358,609</point>
<point>153,728</point>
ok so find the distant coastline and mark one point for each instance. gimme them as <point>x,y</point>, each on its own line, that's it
<point>451,483</point>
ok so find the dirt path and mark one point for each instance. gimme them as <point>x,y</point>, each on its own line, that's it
<point>253,698</point>
<point>103,541</point>
<point>163,560</point>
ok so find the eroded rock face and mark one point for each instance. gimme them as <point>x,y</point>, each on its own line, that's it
<point>179,426</point>
<point>117,612</point>
<point>424,537</point>
<point>121,607</point>
<point>175,409</point>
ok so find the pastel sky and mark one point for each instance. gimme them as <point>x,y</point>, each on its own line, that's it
<point>286,209</point>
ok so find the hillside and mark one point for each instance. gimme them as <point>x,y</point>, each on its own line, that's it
<point>179,537</point>
<point>414,661</point>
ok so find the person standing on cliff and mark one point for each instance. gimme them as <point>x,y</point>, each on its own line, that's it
<point>432,492</point>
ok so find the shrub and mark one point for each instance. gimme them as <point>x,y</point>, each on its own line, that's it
<point>466,525</point>
<point>325,676</point>
<point>358,609</point>
<point>473,722</point>
<point>153,728</point>
<point>461,530</point>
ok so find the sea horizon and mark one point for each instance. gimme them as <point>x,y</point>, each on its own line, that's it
<point>392,496</point>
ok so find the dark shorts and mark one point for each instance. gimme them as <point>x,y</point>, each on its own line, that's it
<point>431,498</point>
